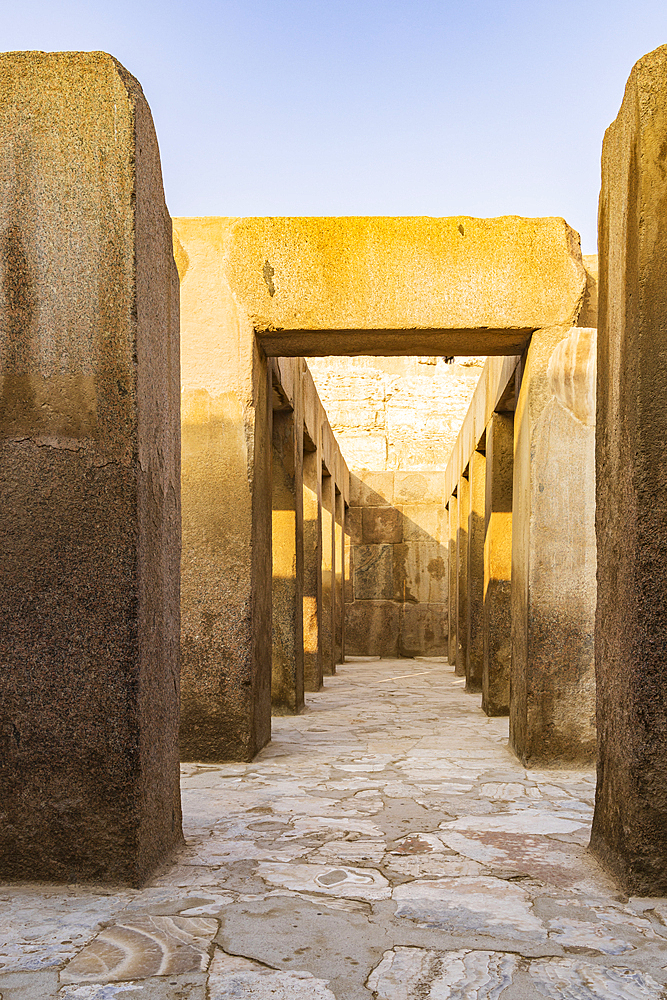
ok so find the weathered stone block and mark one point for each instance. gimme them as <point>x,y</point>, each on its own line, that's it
<point>423,630</point>
<point>463,507</point>
<point>418,487</point>
<point>372,628</point>
<point>476,526</point>
<point>630,823</point>
<point>354,525</point>
<point>453,523</point>
<point>90,471</point>
<point>371,489</point>
<point>420,573</point>
<point>498,565</point>
<point>374,572</point>
<point>382,524</point>
<point>425,522</point>
<point>553,558</point>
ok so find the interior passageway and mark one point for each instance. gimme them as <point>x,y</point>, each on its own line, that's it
<point>386,844</point>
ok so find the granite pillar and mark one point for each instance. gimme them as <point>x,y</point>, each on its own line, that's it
<point>463,493</point>
<point>328,573</point>
<point>553,552</point>
<point>312,567</point>
<point>453,519</point>
<point>630,823</point>
<point>89,467</point>
<point>339,554</point>
<point>475,622</point>
<point>226,581</point>
<point>287,671</point>
<point>497,618</point>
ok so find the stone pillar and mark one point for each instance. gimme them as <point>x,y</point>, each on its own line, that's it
<point>328,578</point>
<point>630,823</point>
<point>226,483</point>
<point>453,576</point>
<point>287,675</point>
<point>312,570</point>
<point>463,493</point>
<point>497,621</point>
<point>339,553</point>
<point>89,471</point>
<point>475,643</point>
<point>553,551</point>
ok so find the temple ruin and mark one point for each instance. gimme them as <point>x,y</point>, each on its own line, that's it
<point>402,441</point>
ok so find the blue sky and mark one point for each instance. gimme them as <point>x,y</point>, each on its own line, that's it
<point>373,107</point>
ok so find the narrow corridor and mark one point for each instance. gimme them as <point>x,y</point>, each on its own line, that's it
<point>386,844</point>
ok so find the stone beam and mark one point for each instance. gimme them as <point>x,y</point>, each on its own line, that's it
<point>90,474</point>
<point>630,823</point>
<point>403,286</point>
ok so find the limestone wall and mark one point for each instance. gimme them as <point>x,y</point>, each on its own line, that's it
<point>396,420</point>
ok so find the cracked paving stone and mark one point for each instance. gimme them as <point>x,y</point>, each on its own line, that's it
<point>411,973</point>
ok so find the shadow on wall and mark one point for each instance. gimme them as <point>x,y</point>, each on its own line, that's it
<point>397,533</point>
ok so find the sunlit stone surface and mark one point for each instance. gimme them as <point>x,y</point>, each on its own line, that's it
<point>385,842</point>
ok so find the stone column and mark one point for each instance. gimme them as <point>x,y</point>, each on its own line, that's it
<point>475,643</point>
<point>497,619</point>
<point>226,482</point>
<point>89,472</point>
<point>463,505</point>
<point>339,552</point>
<point>328,579</point>
<point>630,824</point>
<point>312,570</point>
<point>453,577</point>
<point>553,551</point>
<point>287,675</point>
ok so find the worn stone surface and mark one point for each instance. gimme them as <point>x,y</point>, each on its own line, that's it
<point>497,619</point>
<point>89,466</point>
<point>463,506</point>
<point>476,531</point>
<point>459,286</point>
<point>386,843</point>
<point>630,829</point>
<point>287,540</point>
<point>453,525</point>
<point>226,483</point>
<point>312,573</point>
<point>327,514</point>
<point>552,708</point>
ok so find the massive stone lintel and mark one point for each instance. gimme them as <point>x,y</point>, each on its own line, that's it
<point>90,473</point>
<point>630,824</point>
<point>403,286</point>
<point>552,711</point>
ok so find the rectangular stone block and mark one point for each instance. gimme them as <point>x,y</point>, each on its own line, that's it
<point>418,487</point>
<point>312,571</point>
<point>497,621</point>
<point>475,643</point>
<point>630,823</point>
<point>420,573</point>
<point>90,475</point>
<point>462,576</point>
<point>423,630</point>
<point>425,522</point>
<point>373,572</point>
<point>372,628</point>
<point>371,489</point>
<point>382,524</point>
<point>552,706</point>
<point>355,525</point>
<point>453,522</point>
<point>328,629</point>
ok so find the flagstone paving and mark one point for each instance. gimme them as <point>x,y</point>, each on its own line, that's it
<point>386,845</point>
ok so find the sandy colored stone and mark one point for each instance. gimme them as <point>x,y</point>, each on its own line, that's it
<point>89,462</point>
<point>476,533</point>
<point>630,826</point>
<point>457,286</point>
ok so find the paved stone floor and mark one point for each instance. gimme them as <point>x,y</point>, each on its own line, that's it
<point>385,846</point>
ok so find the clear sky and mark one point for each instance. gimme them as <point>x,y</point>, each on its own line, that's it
<point>369,107</point>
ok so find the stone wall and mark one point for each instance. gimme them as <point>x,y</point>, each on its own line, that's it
<point>396,420</point>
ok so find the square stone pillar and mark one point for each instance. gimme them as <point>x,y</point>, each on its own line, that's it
<point>90,477</point>
<point>328,573</point>
<point>339,552</point>
<point>226,581</point>
<point>287,675</point>
<point>497,621</point>
<point>630,824</point>
<point>553,552</point>
<point>312,566</point>
<point>453,519</point>
<point>463,506</point>
<point>475,643</point>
